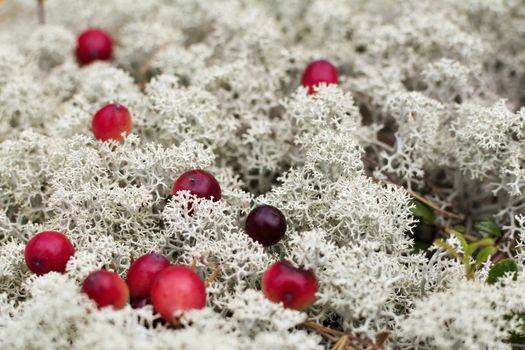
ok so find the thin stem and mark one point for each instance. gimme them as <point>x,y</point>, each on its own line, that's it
<point>434,206</point>
<point>335,335</point>
<point>41,12</point>
<point>213,276</point>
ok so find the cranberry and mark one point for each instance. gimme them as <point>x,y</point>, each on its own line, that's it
<point>110,122</point>
<point>317,72</point>
<point>48,251</point>
<point>266,225</point>
<point>93,44</point>
<point>176,289</point>
<point>292,286</point>
<point>142,273</point>
<point>106,288</point>
<point>199,183</point>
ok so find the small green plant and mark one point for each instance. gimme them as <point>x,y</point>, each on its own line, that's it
<point>474,253</point>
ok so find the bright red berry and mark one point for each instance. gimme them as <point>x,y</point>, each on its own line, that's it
<point>317,72</point>
<point>142,273</point>
<point>292,286</point>
<point>177,289</point>
<point>199,183</point>
<point>110,122</point>
<point>48,251</point>
<point>266,225</point>
<point>93,44</point>
<point>106,288</point>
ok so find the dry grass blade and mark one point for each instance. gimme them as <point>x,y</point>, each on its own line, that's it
<point>213,276</point>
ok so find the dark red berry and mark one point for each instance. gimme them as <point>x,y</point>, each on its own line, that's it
<point>199,183</point>
<point>142,273</point>
<point>294,287</point>
<point>110,122</point>
<point>106,288</point>
<point>266,225</point>
<point>318,72</point>
<point>48,251</point>
<point>177,289</point>
<point>93,44</point>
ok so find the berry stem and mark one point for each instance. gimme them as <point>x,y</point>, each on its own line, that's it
<point>41,12</point>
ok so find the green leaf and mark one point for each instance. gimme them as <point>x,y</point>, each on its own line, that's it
<point>479,243</point>
<point>422,211</point>
<point>489,227</point>
<point>483,255</point>
<point>460,229</point>
<point>500,269</point>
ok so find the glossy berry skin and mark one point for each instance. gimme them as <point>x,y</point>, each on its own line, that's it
<point>93,44</point>
<point>177,289</point>
<point>106,288</point>
<point>110,122</point>
<point>199,183</point>
<point>142,273</point>
<point>48,251</point>
<point>266,225</point>
<point>294,287</point>
<point>317,72</point>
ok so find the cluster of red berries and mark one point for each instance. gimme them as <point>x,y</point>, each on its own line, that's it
<point>113,120</point>
<point>172,289</point>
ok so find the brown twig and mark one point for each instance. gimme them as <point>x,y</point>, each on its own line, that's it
<point>41,12</point>
<point>341,343</point>
<point>335,336</point>
<point>501,254</point>
<point>213,276</point>
<point>434,206</point>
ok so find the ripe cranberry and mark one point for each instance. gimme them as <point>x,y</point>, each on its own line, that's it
<point>199,183</point>
<point>106,288</point>
<point>176,289</point>
<point>142,273</point>
<point>292,286</point>
<point>93,44</point>
<point>317,72</point>
<point>48,251</point>
<point>110,122</point>
<point>266,225</point>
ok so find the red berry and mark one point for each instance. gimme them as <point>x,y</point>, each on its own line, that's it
<point>93,44</point>
<point>200,183</point>
<point>48,251</point>
<point>106,288</point>
<point>266,225</point>
<point>292,286</point>
<point>176,289</point>
<point>317,72</point>
<point>142,273</point>
<point>110,122</point>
